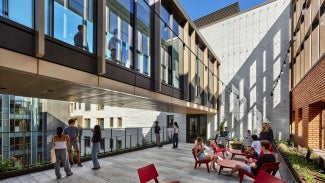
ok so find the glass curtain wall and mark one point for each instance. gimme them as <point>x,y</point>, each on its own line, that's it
<point>143,61</point>
<point>71,21</point>
<point>22,118</point>
<point>119,31</point>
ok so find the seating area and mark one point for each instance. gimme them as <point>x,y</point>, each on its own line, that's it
<point>170,164</point>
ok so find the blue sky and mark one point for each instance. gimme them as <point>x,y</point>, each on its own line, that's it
<point>198,8</point>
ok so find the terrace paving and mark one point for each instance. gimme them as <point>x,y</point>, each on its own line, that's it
<point>171,164</point>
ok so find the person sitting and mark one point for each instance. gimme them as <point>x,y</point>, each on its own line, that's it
<point>253,168</point>
<point>199,149</point>
<point>254,150</point>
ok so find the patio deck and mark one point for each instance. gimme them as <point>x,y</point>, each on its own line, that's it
<point>171,164</point>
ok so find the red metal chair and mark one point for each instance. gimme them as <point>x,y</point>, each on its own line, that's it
<point>200,161</point>
<point>217,150</point>
<point>148,173</point>
<point>264,177</point>
<point>270,168</point>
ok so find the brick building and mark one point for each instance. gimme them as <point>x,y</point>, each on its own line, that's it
<point>307,73</point>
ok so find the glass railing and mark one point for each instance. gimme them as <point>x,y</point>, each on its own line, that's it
<point>25,150</point>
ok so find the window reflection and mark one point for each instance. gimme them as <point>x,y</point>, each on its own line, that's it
<point>119,32</point>
<point>165,46</point>
<point>72,24</point>
<point>143,38</point>
<point>18,11</point>
<point>1,8</point>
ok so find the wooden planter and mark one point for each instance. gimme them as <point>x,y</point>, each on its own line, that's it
<point>235,144</point>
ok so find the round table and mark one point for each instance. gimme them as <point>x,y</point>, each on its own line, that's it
<point>228,163</point>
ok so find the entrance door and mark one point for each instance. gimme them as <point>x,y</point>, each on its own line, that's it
<point>196,127</point>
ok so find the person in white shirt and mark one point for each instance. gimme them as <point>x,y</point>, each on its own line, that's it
<point>59,143</point>
<point>113,45</point>
<point>175,135</point>
<point>255,150</point>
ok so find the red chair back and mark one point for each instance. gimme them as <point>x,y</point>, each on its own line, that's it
<point>148,173</point>
<point>214,145</point>
<point>270,168</point>
<point>263,177</point>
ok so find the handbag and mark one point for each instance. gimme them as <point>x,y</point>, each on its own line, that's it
<point>53,156</point>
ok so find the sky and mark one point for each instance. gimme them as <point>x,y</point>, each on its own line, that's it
<point>199,8</point>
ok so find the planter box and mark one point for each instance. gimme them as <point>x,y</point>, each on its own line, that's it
<point>235,144</point>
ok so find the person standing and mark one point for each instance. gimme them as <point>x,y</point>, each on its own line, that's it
<point>73,132</point>
<point>97,135</point>
<point>79,39</point>
<point>175,135</point>
<point>266,132</point>
<point>157,132</point>
<point>59,143</point>
<point>225,134</point>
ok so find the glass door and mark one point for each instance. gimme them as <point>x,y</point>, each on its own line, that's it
<point>196,127</point>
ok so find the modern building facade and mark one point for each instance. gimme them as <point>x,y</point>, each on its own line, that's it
<point>135,54</point>
<point>125,126</point>
<point>253,50</point>
<point>26,125</point>
<point>307,73</point>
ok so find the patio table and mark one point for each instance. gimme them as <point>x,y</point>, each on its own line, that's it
<point>236,152</point>
<point>228,163</point>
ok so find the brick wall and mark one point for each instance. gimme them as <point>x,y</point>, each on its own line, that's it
<point>309,95</point>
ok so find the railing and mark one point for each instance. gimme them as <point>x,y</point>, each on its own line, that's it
<point>30,149</point>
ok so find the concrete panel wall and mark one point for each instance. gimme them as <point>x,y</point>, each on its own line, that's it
<point>252,47</point>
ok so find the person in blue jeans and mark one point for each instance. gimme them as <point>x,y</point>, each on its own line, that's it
<point>95,149</point>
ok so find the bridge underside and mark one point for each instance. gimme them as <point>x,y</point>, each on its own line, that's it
<point>32,77</point>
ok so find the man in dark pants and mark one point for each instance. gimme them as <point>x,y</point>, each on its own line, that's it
<point>157,132</point>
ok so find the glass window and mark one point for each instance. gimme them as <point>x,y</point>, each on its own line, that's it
<point>100,122</point>
<point>111,122</point>
<point>143,38</point>
<point>100,107</point>
<point>177,44</point>
<point>72,24</point>
<point>87,107</point>
<point>119,122</point>
<point>77,6</point>
<point>1,8</point>
<point>119,31</point>
<point>166,46</point>
<point>21,12</point>
<point>197,78</point>
<point>87,123</point>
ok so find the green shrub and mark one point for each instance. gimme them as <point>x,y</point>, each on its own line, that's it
<point>304,168</point>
